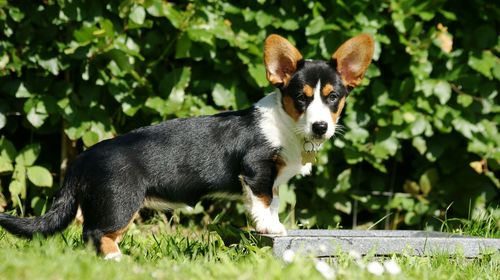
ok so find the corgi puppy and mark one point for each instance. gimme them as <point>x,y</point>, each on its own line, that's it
<point>249,152</point>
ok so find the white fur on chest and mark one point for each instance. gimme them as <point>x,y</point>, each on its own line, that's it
<point>280,131</point>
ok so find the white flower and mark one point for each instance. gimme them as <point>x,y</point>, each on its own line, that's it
<point>288,256</point>
<point>392,267</point>
<point>375,268</point>
<point>327,271</point>
<point>355,255</point>
<point>322,248</point>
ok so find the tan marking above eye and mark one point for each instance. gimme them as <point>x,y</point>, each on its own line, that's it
<point>308,91</point>
<point>289,107</point>
<point>327,89</point>
<point>336,115</point>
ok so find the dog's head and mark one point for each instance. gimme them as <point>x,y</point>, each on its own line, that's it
<point>314,92</point>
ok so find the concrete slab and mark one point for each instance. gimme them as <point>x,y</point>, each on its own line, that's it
<point>330,243</point>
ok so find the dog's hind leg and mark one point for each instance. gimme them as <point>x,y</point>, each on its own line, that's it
<point>106,243</point>
<point>107,212</point>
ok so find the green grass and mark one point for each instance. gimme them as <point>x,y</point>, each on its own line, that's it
<point>159,251</point>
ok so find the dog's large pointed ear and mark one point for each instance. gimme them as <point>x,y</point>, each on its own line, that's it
<point>280,58</point>
<point>353,58</point>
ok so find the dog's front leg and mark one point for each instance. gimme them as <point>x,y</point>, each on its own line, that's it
<point>263,207</point>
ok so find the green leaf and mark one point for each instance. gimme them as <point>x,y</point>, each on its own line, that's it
<point>418,126</point>
<point>5,165</point>
<point>22,91</point>
<point>290,24</point>
<point>412,219</point>
<point>419,144</point>
<point>343,181</point>
<point>428,180</point>
<point>121,59</point>
<point>51,65</point>
<point>28,155</point>
<point>315,26</point>
<point>443,91</point>
<point>137,14</point>
<point>16,188</point>
<point>7,149</point>
<point>40,176</point>
<point>174,84</point>
<point>160,8</point>
<point>263,19</point>
<point>287,197</point>
<point>465,100</point>
<point>183,46</point>
<point>90,138</point>
<point>36,112</point>
<point>465,127</point>
<point>258,73</point>
<point>158,104</point>
<point>3,120</point>
<point>75,130</point>
<point>386,148</point>
<point>16,14</point>
<point>85,34</point>
<point>357,135</point>
<point>484,63</point>
<point>223,97</point>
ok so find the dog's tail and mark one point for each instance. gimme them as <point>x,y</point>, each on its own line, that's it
<point>62,212</point>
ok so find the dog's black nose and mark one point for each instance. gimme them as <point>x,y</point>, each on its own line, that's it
<point>319,128</point>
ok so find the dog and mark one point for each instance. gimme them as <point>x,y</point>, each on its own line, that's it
<point>248,152</point>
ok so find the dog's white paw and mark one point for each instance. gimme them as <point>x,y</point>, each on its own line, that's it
<point>271,228</point>
<point>117,256</point>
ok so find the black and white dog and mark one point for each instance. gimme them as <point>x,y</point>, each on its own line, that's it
<point>249,152</point>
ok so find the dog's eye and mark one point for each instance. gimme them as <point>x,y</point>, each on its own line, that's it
<point>332,97</point>
<point>301,97</point>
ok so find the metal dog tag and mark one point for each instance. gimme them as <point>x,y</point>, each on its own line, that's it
<point>308,157</point>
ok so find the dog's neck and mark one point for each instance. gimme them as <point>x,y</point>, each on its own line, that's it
<point>278,127</point>
<point>280,130</point>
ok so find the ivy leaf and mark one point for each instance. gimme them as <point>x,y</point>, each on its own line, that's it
<point>40,176</point>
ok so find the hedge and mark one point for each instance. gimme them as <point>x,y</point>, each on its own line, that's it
<point>420,143</point>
